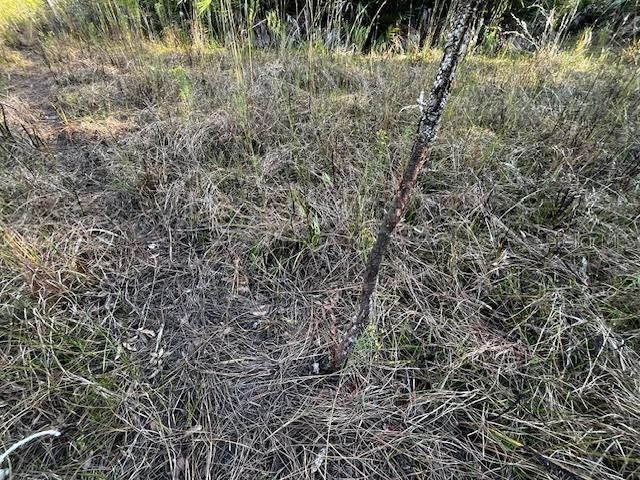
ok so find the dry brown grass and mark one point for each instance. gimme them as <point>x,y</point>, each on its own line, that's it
<point>209,247</point>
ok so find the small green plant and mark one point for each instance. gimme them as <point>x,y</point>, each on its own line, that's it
<point>367,348</point>
<point>304,210</point>
<point>239,103</point>
<point>490,41</point>
<point>276,27</point>
<point>183,83</point>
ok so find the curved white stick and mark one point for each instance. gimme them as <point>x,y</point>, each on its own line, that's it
<point>24,441</point>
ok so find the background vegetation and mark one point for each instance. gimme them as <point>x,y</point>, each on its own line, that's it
<point>382,24</point>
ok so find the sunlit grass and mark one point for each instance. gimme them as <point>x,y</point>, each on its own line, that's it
<point>15,11</point>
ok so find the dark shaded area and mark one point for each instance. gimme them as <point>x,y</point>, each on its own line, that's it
<point>379,22</point>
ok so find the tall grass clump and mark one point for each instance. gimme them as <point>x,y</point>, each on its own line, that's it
<point>13,12</point>
<point>18,20</point>
<point>115,19</point>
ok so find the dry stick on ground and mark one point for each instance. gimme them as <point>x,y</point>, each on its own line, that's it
<point>427,132</point>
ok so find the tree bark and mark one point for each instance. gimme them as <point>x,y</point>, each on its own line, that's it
<point>427,131</point>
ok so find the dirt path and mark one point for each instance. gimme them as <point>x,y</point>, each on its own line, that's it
<point>77,157</point>
<point>28,93</point>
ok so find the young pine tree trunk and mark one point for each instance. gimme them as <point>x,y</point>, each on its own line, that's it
<point>425,138</point>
